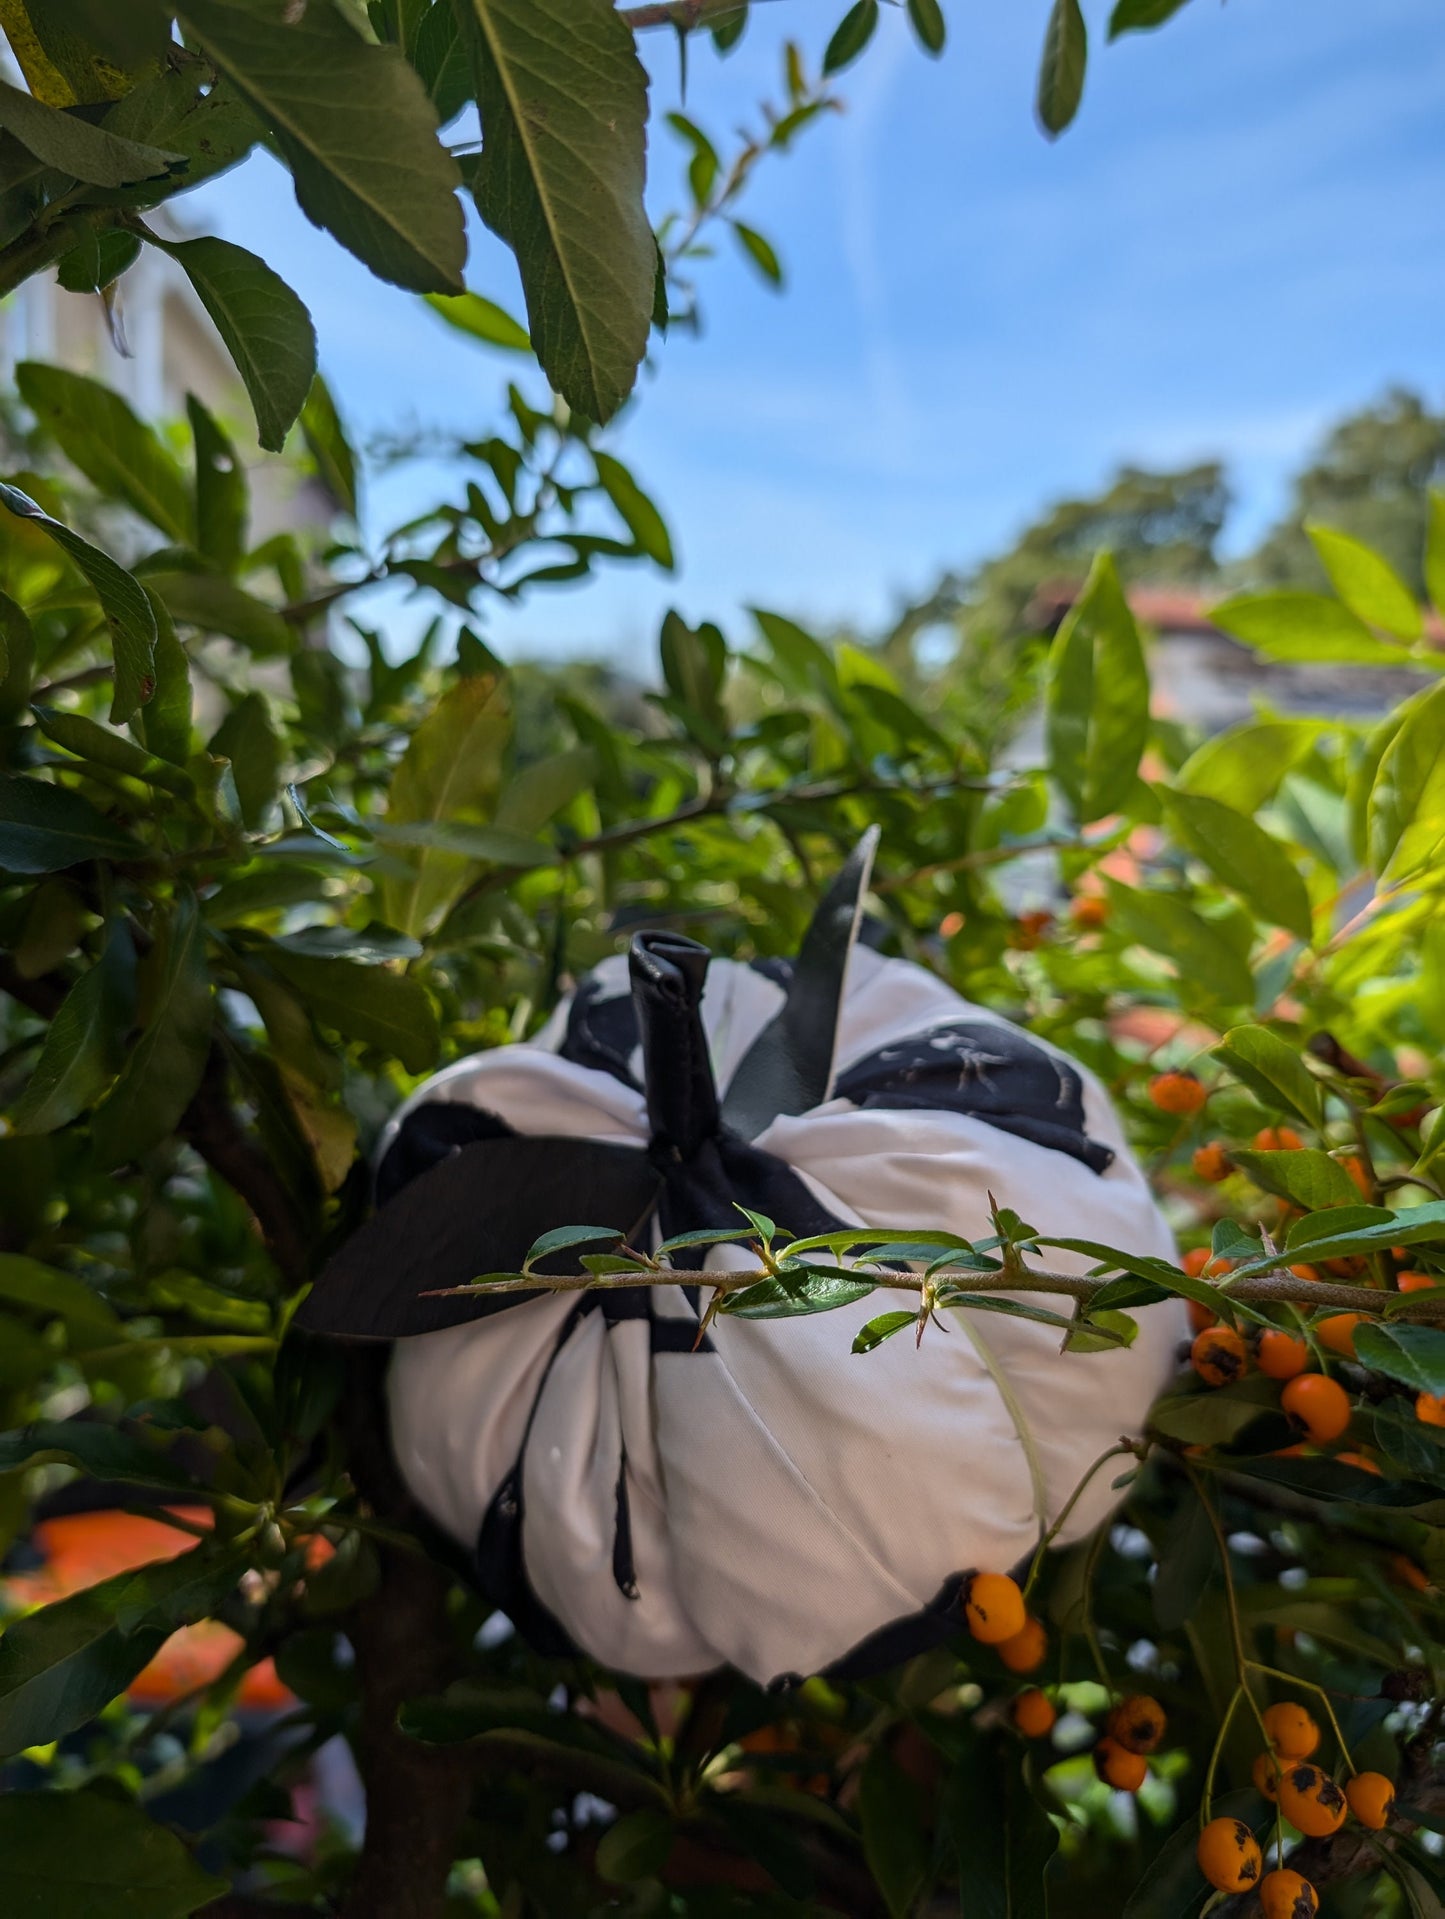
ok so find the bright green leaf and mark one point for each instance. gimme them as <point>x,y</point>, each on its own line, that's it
<point>1098,698</point>
<point>100,434</point>
<point>1243,857</point>
<point>387,1010</point>
<point>635,509</point>
<point>1303,1175</point>
<point>1366,582</point>
<point>483,319</point>
<point>1435,552</point>
<point>1406,817</point>
<point>1272,1070</point>
<point>1296,626</point>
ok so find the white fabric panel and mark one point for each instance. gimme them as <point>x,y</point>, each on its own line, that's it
<point>787,1497</point>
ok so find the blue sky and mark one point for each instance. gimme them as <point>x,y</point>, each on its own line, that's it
<point>1242,235</point>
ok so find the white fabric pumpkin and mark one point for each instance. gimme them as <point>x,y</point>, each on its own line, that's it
<point>773,1501</point>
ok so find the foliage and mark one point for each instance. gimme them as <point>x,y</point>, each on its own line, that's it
<point>375,110</point>
<point>241,917</point>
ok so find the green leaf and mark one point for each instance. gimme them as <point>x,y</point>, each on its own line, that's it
<point>61,1664</point>
<point>1215,1416</point>
<point>1135,16</point>
<point>84,1046</point>
<point>881,1328</point>
<point>999,1833</point>
<point>222,493</point>
<point>265,326</point>
<point>1244,765</point>
<point>1418,1448</point>
<point>370,945</point>
<point>329,447</point>
<point>812,1290</point>
<point>127,611</point>
<point>163,1069</point>
<point>1366,582</point>
<point>636,510</point>
<point>440,57</point>
<point>894,1845</point>
<point>761,251</point>
<point>1173,1883</point>
<point>850,36</point>
<point>1435,551</point>
<point>492,844</point>
<point>1097,698</point>
<point>355,126</point>
<point>1415,1355</point>
<point>450,771</point>
<point>211,130</point>
<point>102,256</point>
<point>1297,626</point>
<point>387,1010</point>
<point>103,1452</point>
<point>1205,958</point>
<point>926,17</point>
<point>45,828</point>
<point>165,722</point>
<point>248,740</point>
<point>89,740</point>
<point>636,1847</point>
<point>1243,857</point>
<point>53,1295</point>
<point>98,432</point>
<point>1406,816</point>
<point>75,147</point>
<point>1061,69</point>
<point>543,789</point>
<point>563,98</point>
<point>73,1855</point>
<point>1272,1070</point>
<point>483,319</point>
<point>1304,1176</point>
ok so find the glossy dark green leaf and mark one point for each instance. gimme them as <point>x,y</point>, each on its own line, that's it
<point>265,326</point>
<point>815,1290</point>
<point>1415,1355</point>
<point>1187,1558</point>
<point>163,1068</point>
<point>89,740</point>
<point>440,57</point>
<point>1242,856</point>
<point>387,1010</point>
<point>1330,1481</point>
<point>894,1844</point>
<point>1061,67</point>
<point>84,1044</point>
<point>100,434</point>
<point>1409,1442</point>
<point>563,98</point>
<point>74,146</point>
<point>354,125</point>
<point>212,603</point>
<point>1272,1070</point>
<point>998,1832</point>
<point>165,721</point>
<point>45,828</point>
<point>850,36</point>
<point>881,1328</point>
<point>1217,1416</point>
<point>127,611</point>
<point>98,261</point>
<point>1097,698</point>
<point>209,126</point>
<point>74,1855</point>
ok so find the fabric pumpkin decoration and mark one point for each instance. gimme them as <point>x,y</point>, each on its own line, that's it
<point>761,1497</point>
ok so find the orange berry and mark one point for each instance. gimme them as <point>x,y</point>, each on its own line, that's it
<point>1228,1855</point>
<point>1219,1355</point>
<point>1311,1801</point>
<point>1137,1723</point>
<point>1027,1650</point>
<point>1265,1774</point>
<point>1033,1714</point>
<point>994,1608</point>
<point>1200,1317</point>
<point>1360,1174</point>
<point>1277,1139</point>
<point>1211,1163</point>
<point>1125,1771</point>
<point>1371,1799</point>
<point>1361,1462</point>
<point>1317,1406</point>
<point>1285,1895</point>
<point>1195,1261</point>
<point>1430,1409</point>
<point>1305,1272</point>
<point>1281,1355</point>
<point>1412,1282</point>
<point>1291,1730</point>
<point>1408,1573</point>
<point>1178,1093</point>
<point>1089,911</point>
<point>1029,929</point>
<point>1350,1266</point>
<point>1338,1333</point>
